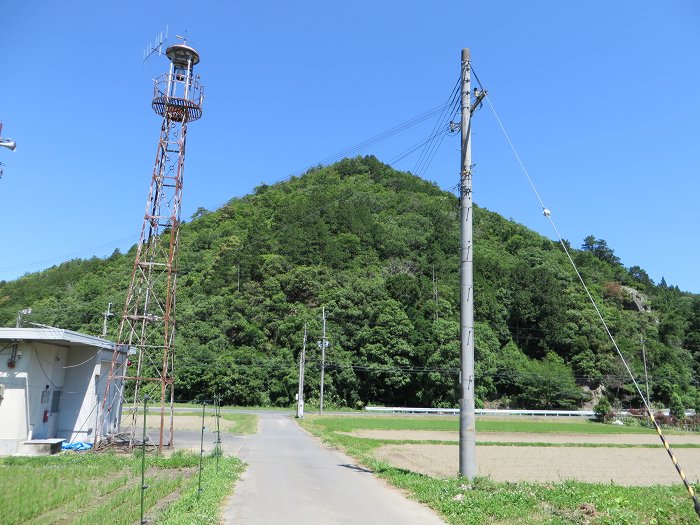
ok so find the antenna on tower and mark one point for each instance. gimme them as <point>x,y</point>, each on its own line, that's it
<point>157,47</point>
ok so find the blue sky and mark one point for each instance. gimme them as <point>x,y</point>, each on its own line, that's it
<point>600,98</point>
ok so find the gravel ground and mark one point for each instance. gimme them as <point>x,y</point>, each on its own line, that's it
<point>523,437</point>
<point>622,466</point>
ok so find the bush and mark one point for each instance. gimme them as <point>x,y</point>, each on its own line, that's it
<point>676,406</point>
<point>603,410</point>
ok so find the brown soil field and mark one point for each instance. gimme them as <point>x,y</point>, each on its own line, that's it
<point>524,437</point>
<point>622,466</point>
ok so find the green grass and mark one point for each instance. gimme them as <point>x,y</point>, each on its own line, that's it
<point>526,444</point>
<point>309,407</point>
<point>349,424</point>
<point>201,508</point>
<point>243,423</point>
<point>104,489</point>
<point>488,502</point>
<point>196,406</point>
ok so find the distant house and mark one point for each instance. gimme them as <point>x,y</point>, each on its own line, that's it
<point>51,385</point>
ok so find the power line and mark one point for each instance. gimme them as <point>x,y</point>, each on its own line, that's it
<point>399,128</point>
<point>413,148</point>
<point>380,137</point>
<point>428,153</point>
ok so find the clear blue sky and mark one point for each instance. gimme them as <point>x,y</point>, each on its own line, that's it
<point>601,99</point>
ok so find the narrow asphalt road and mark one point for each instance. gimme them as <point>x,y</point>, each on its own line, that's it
<point>293,479</point>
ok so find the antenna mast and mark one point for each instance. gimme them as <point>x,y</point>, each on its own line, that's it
<point>147,327</point>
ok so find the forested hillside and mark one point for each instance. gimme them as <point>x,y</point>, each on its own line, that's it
<point>379,249</point>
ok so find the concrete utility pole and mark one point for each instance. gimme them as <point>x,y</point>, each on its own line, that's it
<point>323,359</point>
<point>467,420</point>
<point>644,357</point>
<point>106,316</point>
<point>302,362</point>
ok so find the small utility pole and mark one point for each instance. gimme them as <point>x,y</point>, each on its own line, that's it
<point>106,316</point>
<point>467,419</point>
<point>435,296</point>
<point>217,412</point>
<point>644,357</point>
<point>323,359</point>
<point>302,362</point>
<point>201,449</point>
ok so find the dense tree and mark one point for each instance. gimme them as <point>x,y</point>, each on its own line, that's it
<point>599,248</point>
<point>380,250</point>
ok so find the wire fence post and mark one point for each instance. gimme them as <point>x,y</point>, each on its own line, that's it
<point>96,438</point>
<point>143,458</point>
<point>217,411</point>
<point>201,450</point>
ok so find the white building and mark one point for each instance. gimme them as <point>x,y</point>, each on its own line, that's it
<point>51,385</point>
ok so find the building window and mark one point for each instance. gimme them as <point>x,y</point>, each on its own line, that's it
<point>56,401</point>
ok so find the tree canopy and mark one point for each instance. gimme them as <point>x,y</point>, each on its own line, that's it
<point>379,249</point>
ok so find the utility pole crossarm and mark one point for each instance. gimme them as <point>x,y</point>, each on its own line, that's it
<point>478,99</point>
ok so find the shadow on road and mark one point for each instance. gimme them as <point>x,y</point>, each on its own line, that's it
<point>357,468</point>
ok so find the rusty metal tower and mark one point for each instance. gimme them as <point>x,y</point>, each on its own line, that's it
<point>147,327</point>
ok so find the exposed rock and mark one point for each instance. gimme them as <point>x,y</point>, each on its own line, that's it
<point>638,299</point>
<point>595,394</point>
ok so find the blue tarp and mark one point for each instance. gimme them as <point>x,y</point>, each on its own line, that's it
<point>76,445</point>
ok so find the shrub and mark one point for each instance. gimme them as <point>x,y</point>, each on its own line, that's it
<point>676,406</point>
<point>603,410</point>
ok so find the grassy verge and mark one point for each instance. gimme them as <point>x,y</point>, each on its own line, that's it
<point>105,488</point>
<point>487,502</point>
<point>243,423</point>
<point>309,407</point>
<point>195,406</point>
<point>540,444</point>
<point>451,424</point>
<point>204,507</point>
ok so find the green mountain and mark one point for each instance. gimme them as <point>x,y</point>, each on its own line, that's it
<point>379,249</point>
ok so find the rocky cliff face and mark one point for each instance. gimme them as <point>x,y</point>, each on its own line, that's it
<point>636,300</point>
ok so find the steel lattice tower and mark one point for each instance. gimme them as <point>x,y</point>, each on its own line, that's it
<point>147,327</point>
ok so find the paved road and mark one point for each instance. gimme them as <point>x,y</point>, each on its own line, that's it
<point>293,479</point>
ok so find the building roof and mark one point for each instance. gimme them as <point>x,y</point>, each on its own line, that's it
<point>56,336</point>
